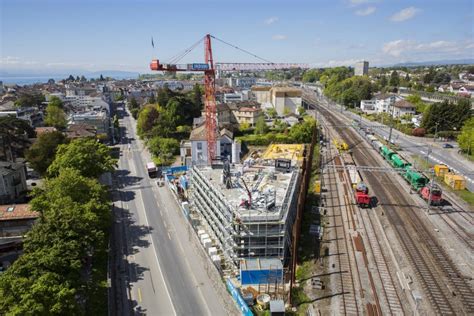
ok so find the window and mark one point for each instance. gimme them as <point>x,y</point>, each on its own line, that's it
<point>199,146</point>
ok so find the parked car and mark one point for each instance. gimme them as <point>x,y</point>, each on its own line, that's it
<point>448,146</point>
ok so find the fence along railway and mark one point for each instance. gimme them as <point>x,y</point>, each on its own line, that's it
<point>441,281</point>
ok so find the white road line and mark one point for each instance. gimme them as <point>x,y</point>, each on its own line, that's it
<point>189,268</point>
<point>140,198</point>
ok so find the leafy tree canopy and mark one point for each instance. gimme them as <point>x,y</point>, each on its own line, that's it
<point>87,156</point>
<point>41,154</point>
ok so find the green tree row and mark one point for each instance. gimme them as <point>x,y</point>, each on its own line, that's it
<point>54,275</point>
<point>166,118</point>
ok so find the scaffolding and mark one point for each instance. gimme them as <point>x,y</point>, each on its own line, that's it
<point>260,228</point>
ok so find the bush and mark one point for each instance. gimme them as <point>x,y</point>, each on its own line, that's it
<point>419,132</point>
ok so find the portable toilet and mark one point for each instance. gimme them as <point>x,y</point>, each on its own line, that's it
<point>441,170</point>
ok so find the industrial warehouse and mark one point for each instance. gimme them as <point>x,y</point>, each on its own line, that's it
<point>247,210</point>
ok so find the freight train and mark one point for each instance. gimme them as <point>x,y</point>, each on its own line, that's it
<point>417,180</point>
<point>361,191</point>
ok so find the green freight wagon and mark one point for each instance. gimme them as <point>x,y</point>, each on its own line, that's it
<point>386,152</point>
<point>416,179</point>
<point>397,162</point>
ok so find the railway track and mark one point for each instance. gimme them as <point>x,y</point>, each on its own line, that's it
<point>390,294</point>
<point>437,274</point>
<point>346,286</point>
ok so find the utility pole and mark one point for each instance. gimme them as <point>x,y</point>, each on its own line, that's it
<point>391,124</point>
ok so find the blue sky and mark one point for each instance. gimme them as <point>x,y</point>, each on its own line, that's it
<point>53,35</point>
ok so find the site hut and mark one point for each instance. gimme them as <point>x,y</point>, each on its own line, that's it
<point>247,209</point>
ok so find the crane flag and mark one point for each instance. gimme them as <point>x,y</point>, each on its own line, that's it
<point>152,43</point>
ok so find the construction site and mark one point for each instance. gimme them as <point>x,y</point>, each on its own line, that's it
<point>246,210</point>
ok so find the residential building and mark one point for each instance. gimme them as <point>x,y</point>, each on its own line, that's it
<point>225,147</point>
<point>30,114</point>
<point>223,114</point>
<point>81,130</point>
<point>403,107</point>
<point>12,181</point>
<point>235,97</point>
<point>380,103</point>
<point>16,220</point>
<point>246,210</point>
<point>368,106</point>
<point>99,120</point>
<point>247,115</point>
<point>82,103</point>
<point>361,68</point>
<point>242,82</point>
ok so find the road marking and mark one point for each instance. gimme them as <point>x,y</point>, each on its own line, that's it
<point>140,198</point>
<point>139,295</point>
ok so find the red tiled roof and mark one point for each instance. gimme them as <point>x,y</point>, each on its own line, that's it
<point>16,211</point>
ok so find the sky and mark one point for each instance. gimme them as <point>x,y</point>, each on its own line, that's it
<point>53,36</point>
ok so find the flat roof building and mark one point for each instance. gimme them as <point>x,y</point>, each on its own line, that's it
<point>247,209</point>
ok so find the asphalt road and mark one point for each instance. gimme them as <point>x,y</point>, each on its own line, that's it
<point>421,147</point>
<point>167,275</point>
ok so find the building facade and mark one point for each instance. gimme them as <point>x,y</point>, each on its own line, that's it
<point>12,181</point>
<point>247,212</point>
<point>361,68</point>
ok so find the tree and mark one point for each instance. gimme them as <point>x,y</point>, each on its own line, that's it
<point>133,103</point>
<point>312,75</point>
<point>55,117</point>
<point>446,116</point>
<point>301,110</point>
<point>260,126</point>
<point>466,138</point>
<point>152,99</point>
<point>101,78</point>
<point>147,119</point>
<point>83,79</point>
<point>70,78</point>
<point>163,148</point>
<point>51,81</point>
<point>394,79</point>
<point>29,99</point>
<point>383,81</point>
<point>272,112</point>
<point>407,77</point>
<point>197,99</point>
<point>87,156</point>
<point>41,154</point>
<point>48,279</point>
<point>303,131</point>
<point>14,134</point>
<point>55,101</point>
<point>78,79</point>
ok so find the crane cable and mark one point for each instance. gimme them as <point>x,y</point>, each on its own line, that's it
<point>241,49</point>
<point>179,56</point>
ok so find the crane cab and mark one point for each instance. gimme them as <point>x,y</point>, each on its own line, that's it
<point>155,65</point>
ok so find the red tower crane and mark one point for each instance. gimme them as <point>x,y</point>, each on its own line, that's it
<point>210,80</point>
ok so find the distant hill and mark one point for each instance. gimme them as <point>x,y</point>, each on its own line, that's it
<point>436,62</point>
<point>66,73</point>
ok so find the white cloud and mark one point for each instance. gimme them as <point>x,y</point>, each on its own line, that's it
<point>404,47</point>
<point>279,37</point>
<point>366,11</point>
<point>405,14</point>
<point>271,20</point>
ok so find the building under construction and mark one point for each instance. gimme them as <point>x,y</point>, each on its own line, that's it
<point>248,209</point>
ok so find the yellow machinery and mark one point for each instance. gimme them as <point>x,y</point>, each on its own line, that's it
<point>340,145</point>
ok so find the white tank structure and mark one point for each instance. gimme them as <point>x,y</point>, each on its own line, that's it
<point>236,146</point>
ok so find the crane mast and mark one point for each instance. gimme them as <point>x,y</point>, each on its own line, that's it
<point>210,100</point>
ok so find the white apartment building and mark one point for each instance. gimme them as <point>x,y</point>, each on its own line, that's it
<point>380,103</point>
<point>284,100</point>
